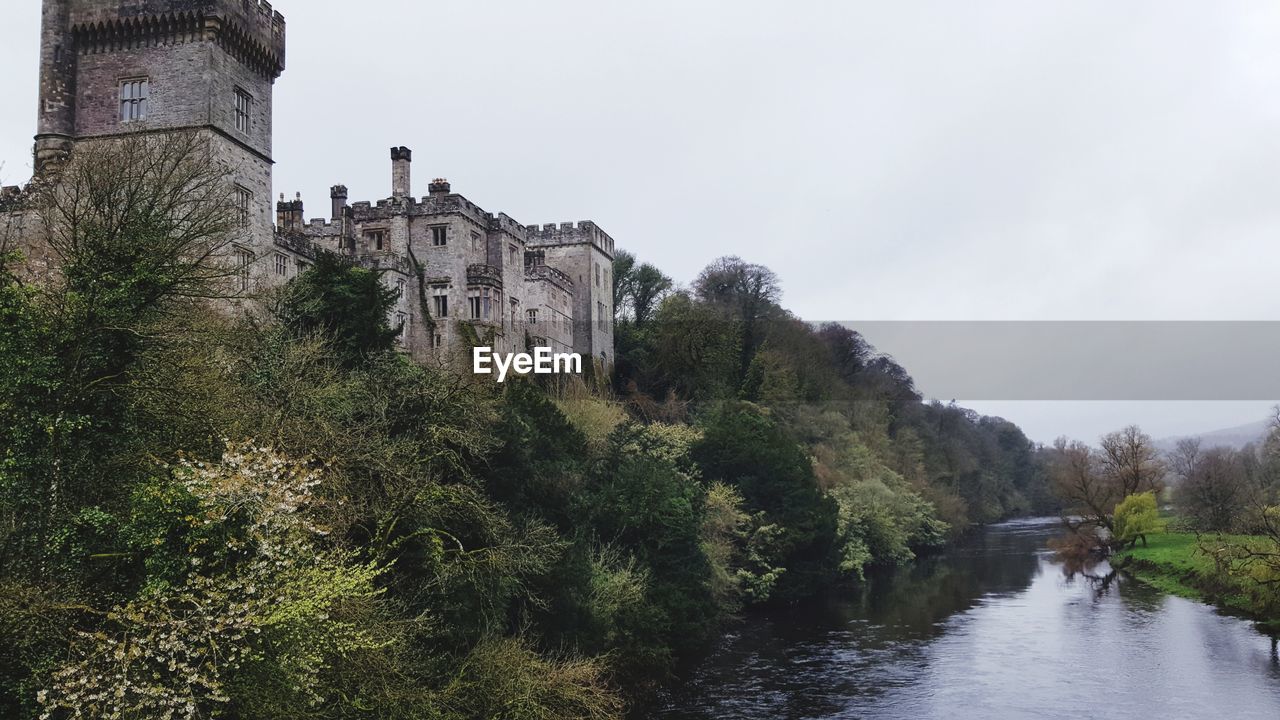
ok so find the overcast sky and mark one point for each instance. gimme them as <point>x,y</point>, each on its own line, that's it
<point>993,159</point>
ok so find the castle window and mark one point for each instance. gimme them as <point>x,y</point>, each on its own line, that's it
<point>515,254</point>
<point>244,199</point>
<point>597,274</point>
<point>282,264</point>
<point>439,236</point>
<point>244,259</point>
<point>533,317</point>
<point>400,289</point>
<point>438,341</point>
<point>303,267</point>
<point>133,99</point>
<point>480,304</point>
<point>440,300</point>
<point>244,103</point>
<point>376,239</point>
<point>402,321</point>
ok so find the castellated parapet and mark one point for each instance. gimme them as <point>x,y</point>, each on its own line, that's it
<point>463,273</point>
<point>249,29</point>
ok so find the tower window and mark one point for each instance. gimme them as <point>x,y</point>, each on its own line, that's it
<point>244,259</point>
<point>376,239</point>
<point>244,199</point>
<point>402,323</point>
<point>533,316</point>
<point>282,264</point>
<point>400,285</point>
<point>440,300</point>
<point>439,236</point>
<point>244,103</point>
<point>133,99</point>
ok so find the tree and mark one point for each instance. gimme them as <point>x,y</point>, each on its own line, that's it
<point>137,227</point>
<point>1088,498</point>
<point>745,292</point>
<point>1135,517</point>
<point>745,449</point>
<point>1184,457</point>
<point>345,303</point>
<point>1214,492</point>
<point>637,289</point>
<point>1131,462</point>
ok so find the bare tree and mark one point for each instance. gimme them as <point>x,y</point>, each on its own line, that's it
<point>155,205</point>
<point>1215,492</point>
<point>1077,477</point>
<point>1131,462</point>
<point>1184,457</point>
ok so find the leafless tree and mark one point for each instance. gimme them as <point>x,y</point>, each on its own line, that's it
<point>1214,493</point>
<point>1131,462</point>
<point>159,205</point>
<point>1184,457</point>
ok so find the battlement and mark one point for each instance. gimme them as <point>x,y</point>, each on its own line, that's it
<point>251,30</point>
<point>503,222</point>
<point>567,233</point>
<point>549,274</point>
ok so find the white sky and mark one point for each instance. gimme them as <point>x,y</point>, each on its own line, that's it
<point>994,159</point>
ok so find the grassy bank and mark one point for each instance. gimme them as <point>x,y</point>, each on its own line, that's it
<point>1176,563</point>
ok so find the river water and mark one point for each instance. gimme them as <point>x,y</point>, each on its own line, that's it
<point>995,629</point>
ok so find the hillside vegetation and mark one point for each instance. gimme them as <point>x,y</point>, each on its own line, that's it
<point>276,515</point>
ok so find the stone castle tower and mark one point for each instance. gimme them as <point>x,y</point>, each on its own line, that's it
<point>109,67</point>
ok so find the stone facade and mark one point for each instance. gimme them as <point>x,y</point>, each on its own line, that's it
<point>464,274</point>
<point>110,67</point>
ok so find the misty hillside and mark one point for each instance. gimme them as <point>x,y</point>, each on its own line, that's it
<point>1234,437</point>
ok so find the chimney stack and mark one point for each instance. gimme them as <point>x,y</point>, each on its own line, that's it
<point>440,186</point>
<point>338,196</point>
<point>401,158</point>
<point>289,214</point>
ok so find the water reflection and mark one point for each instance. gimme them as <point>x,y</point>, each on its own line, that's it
<point>997,629</point>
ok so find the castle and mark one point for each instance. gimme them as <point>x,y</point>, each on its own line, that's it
<point>461,274</point>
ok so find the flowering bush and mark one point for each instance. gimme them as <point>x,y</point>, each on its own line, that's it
<point>270,602</point>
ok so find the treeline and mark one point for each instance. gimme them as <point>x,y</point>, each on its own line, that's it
<point>1228,498</point>
<point>271,513</point>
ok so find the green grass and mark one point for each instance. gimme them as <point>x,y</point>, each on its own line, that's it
<point>1175,563</point>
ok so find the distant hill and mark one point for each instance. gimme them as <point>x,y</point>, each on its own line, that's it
<point>1235,437</point>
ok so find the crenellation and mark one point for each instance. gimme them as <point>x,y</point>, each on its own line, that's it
<point>251,30</point>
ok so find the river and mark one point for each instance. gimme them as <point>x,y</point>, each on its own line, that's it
<point>994,629</point>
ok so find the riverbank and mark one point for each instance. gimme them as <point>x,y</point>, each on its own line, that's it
<point>1176,563</point>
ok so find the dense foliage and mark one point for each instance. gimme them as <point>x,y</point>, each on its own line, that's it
<point>205,515</point>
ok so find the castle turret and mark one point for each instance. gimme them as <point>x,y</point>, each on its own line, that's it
<point>57,113</point>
